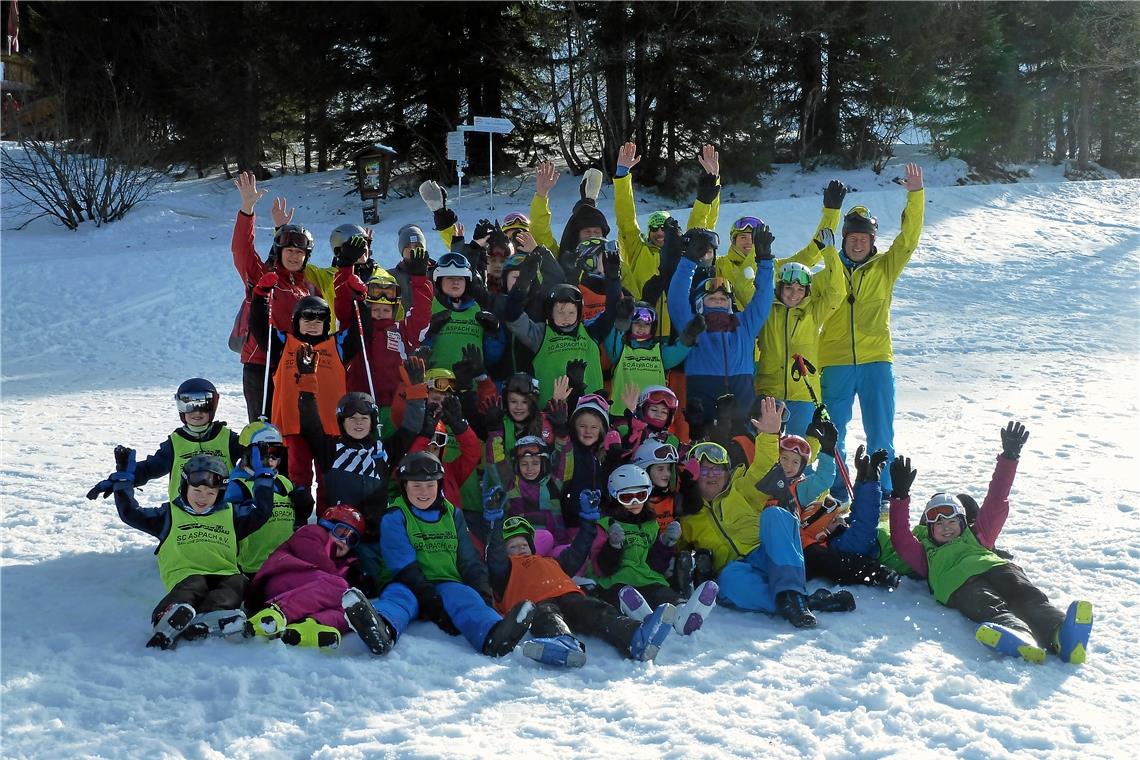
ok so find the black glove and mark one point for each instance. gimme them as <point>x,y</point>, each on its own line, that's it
<point>824,431</point>
<point>350,250</point>
<point>762,244</point>
<point>306,360</point>
<point>464,374</point>
<point>576,372</point>
<point>557,413</point>
<point>695,416</point>
<point>444,218</point>
<point>725,409</point>
<point>528,270</point>
<point>707,188</point>
<point>483,229</point>
<point>693,330</point>
<point>488,321</point>
<point>902,476</point>
<point>834,194</point>
<point>695,246</point>
<point>122,458</point>
<point>671,247</point>
<point>868,469</point>
<point>611,262</point>
<point>474,357</point>
<point>415,369</point>
<point>623,313</point>
<point>452,414</point>
<point>431,608</point>
<point>438,320</point>
<point>1013,437</point>
<point>493,415</point>
<point>432,412</point>
<point>417,262</point>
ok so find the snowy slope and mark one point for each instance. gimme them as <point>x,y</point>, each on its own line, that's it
<point>1021,303</point>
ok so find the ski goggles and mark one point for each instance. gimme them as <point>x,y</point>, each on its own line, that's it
<point>195,401</point>
<point>710,452</point>
<point>205,478</point>
<point>441,384</point>
<point>666,453</point>
<point>716,285</point>
<point>314,315</point>
<point>517,523</point>
<point>638,496</point>
<point>515,221</point>
<point>644,314</point>
<point>942,507</point>
<point>382,292</point>
<point>271,450</point>
<point>746,224</point>
<point>862,212</point>
<point>440,439</point>
<point>342,532</point>
<point>293,238</point>
<point>795,276</point>
<point>593,398</point>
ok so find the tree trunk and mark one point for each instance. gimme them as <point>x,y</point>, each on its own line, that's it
<point>1084,120</point>
<point>810,74</point>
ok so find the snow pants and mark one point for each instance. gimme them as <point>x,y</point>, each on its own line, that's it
<point>205,593</point>
<point>301,472</point>
<point>775,566</point>
<point>799,417</point>
<point>320,599</point>
<point>575,614</point>
<point>844,568</point>
<point>1005,596</point>
<point>708,388</point>
<point>862,533</point>
<point>252,382</point>
<point>468,612</point>
<point>874,384</point>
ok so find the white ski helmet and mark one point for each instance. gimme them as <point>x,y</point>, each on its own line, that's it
<point>628,478</point>
<point>653,452</point>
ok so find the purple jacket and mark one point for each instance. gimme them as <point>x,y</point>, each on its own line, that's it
<point>308,554</point>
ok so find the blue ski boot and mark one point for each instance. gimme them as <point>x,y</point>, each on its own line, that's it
<point>649,637</point>
<point>563,650</point>
<point>1072,637</point>
<point>1010,642</point>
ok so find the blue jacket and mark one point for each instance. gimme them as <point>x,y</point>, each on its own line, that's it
<point>722,354</point>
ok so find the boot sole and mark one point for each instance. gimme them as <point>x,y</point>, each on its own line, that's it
<point>535,649</point>
<point>694,619</point>
<point>178,621</point>
<point>992,639</point>
<point>658,635</point>
<point>1082,620</point>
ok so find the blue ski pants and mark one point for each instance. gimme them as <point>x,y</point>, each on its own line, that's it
<point>776,565</point>
<point>874,384</point>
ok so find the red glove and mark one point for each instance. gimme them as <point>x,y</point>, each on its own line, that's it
<point>265,285</point>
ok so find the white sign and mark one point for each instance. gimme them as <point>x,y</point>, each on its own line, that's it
<point>493,124</point>
<point>456,149</point>
<point>455,140</point>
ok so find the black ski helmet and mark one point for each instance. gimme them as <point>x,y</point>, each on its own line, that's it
<point>859,219</point>
<point>563,294</point>
<point>314,304</point>
<point>291,236</point>
<point>204,469</point>
<point>358,403</point>
<point>420,466</point>
<point>195,394</point>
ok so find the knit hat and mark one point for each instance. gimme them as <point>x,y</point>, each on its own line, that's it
<point>411,235</point>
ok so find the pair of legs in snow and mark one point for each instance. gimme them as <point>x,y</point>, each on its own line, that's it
<point>772,578</point>
<point>1017,619</point>
<point>849,556</point>
<point>199,606</point>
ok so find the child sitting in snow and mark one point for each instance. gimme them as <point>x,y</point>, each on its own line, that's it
<point>198,536</point>
<point>266,440</point>
<point>197,401</point>
<point>964,573</point>
<point>517,573</point>
<point>307,590</point>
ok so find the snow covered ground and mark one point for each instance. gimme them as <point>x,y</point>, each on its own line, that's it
<point>1021,303</point>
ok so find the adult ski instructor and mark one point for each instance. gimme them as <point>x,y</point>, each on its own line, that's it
<point>855,345</point>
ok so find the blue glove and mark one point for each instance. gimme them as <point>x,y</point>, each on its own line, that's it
<point>259,468</point>
<point>589,502</point>
<point>102,488</point>
<point>379,454</point>
<point>494,499</point>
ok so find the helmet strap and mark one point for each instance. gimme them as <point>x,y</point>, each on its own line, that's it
<point>198,429</point>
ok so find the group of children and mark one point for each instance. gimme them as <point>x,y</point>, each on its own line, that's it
<point>561,438</point>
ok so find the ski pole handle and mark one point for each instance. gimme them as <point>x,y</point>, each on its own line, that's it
<point>363,347</point>
<point>268,353</point>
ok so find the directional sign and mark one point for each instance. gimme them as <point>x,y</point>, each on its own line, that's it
<point>456,149</point>
<point>493,124</point>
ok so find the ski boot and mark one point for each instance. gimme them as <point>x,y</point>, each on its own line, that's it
<point>691,615</point>
<point>220,623</point>
<point>823,600</point>
<point>683,574</point>
<point>363,618</point>
<point>794,607</point>
<point>632,603</point>
<point>310,633</point>
<point>270,622</point>
<point>652,632</point>
<point>1010,642</point>
<point>171,623</point>
<point>506,634</point>
<point>1072,638</point>
<point>563,650</point>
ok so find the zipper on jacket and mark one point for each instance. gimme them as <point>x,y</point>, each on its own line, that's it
<point>851,302</point>
<point>787,346</point>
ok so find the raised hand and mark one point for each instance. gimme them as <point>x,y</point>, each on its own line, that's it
<point>451,412</point>
<point>417,262</point>
<point>474,357</point>
<point>693,330</point>
<point>414,367</point>
<point>913,179</point>
<point>627,156</point>
<point>589,505</point>
<point>557,413</point>
<point>1013,437</point>
<point>902,477</point>
<point>546,177</point>
<point>265,285</point>
<point>493,414</point>
<point>494,499</point>
<point>561,389</point>
<point>762,240</point>
<point>824,431</point>
<point>834,194</point>
<point>576,373</point>
<point>611,262</point>
<point>246,184</point>
<point>307,359</point>
<point>709,160</point>
<point>525,241</point>
<point>825,238</point>
<point>771,416</point>
<point>280,211</point>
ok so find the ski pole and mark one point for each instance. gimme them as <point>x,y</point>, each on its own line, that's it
<point>268,353</point>
<point>800,372</point>
<point>363,348</point>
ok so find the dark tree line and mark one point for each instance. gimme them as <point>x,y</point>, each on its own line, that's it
<point>303,85</point>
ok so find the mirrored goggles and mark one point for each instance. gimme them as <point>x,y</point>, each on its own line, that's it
<point>383,292</point>
<point>453,260</point>
<point>515,221</point>
<point>710,452</point>
<point>717,284</point>
<point>640,496</point>
<point>644,314</point>
<point>314,315</point>
<point>860,211</point>
<point>795,276</point>
<point>271,450</point>
<point>746,224</point>
<point>195,401</point>
<point>206,478</point>
<point>441,384</point>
